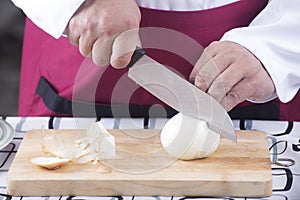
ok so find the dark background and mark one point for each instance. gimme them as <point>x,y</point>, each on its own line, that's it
<point>11,36</point>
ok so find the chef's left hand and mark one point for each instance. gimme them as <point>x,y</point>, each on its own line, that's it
<point>231,74</point>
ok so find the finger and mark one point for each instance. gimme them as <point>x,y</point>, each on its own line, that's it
<point>72,33</point>
<point>210,71</point>
<point>123,47</point>
<point>225,82</point>
<point>86,43</point>
<point>73,38</point>
<point>102,50</point>
<point>239,93</point>
<point>209,52</point>
<point>204,58</point>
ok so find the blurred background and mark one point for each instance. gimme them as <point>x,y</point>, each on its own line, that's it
<point>11,36</point>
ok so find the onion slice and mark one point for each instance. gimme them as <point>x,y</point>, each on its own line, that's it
<point>50,162</point>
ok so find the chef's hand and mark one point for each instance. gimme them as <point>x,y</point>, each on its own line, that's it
<point>106,30</point>
<point>231,74</point>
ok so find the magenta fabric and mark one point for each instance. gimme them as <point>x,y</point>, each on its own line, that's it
<point>59,62</point>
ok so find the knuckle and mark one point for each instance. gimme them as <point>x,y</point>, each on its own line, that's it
<point>105,25</point>
<point>107,31</point>
<point>201,83</point>
<point>90,26</point>
<point>204,75</point>
<point>130,22</point>
<point>214,44</point>
<point>217,90</point>
<point>234,97</point>
<point>110,29</point>
<point>251,83</point>
<point>208,52</point>
<point>230,52</point>
<point>222,85</point>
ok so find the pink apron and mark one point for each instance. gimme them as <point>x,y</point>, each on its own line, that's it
<point>50,67</point>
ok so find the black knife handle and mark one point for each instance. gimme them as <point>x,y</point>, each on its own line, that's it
<point>137,54</point>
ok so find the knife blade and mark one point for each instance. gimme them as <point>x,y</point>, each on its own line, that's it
<point>179,94</point>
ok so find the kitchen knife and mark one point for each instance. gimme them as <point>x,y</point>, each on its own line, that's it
<point>178,93</point>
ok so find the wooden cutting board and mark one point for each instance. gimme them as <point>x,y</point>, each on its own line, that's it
<point>143,168</point>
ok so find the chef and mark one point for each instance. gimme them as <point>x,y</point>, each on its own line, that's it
<point>249,64</point>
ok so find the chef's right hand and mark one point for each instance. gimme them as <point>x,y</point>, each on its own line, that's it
<point>106,30</point>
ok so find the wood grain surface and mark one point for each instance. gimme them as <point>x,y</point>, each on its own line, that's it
<point>143,168</point>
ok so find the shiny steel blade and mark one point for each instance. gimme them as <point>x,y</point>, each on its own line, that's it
<point>181,95</point>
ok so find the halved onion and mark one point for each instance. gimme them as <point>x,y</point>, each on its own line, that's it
<point>187,138</point>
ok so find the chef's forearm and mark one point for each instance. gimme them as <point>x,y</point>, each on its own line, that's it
<point>274,38</point>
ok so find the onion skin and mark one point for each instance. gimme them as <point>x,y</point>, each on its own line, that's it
<point>96,145</point>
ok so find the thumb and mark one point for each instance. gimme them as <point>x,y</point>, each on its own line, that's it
<point>123,47</point>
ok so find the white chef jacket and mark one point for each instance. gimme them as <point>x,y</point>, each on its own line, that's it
<point>273,36</point>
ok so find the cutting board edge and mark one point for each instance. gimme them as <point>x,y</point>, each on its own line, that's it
<point>140,189</point>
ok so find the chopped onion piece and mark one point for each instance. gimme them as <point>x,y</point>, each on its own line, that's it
<point>98,144</point>
<point>50,162</point>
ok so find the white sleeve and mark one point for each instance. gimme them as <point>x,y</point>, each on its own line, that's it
<point>274,38</point>
<point>51,15</point>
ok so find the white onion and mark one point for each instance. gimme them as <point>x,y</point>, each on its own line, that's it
<point>187,138</point>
